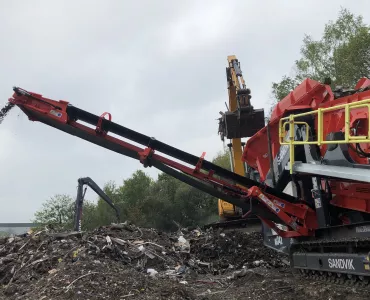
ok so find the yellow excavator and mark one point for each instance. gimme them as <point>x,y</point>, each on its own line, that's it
<point>231,127</point>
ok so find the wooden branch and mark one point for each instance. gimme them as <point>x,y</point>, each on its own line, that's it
<point>92,273</point>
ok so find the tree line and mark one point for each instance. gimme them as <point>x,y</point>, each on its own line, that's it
<point>341,54</point>
<point>165,203</point>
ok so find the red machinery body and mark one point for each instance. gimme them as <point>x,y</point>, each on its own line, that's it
<point>312,95</point>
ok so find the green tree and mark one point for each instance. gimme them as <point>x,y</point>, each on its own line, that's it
<point>90,216</point>
<point>282,88</point>
<point>160,209</point>
<point>342,54</point>
<point>160,203</point>
<point>58,210</point>
<point>132,196</point>
<point>104,213</point>
<point>194,207</point>
<point>172,202</point>
<point>222,159</point>
<point>130,199</point>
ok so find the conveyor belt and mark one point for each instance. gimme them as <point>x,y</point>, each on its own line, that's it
<point>79,114</point>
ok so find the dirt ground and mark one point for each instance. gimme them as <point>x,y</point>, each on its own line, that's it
<point>126,262</point>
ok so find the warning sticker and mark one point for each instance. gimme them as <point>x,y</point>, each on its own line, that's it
<point>279,203</point>
<point>317,203</point>
<point>56,113</point>
<point>269,203</point>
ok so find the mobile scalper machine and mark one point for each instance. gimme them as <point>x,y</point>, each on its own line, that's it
<point>316,142</point>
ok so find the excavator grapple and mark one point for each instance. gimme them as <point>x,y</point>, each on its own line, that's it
<point>241,120</point>
<point>240,124</point>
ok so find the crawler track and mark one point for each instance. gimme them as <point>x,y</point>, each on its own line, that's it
<point>320,258</point>
<point>335,278</point>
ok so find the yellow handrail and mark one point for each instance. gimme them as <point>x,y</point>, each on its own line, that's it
<point>348,138</point>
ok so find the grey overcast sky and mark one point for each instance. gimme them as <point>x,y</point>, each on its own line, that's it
<point>157,66</point>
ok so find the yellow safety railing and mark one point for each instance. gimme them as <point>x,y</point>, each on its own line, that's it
<point>348,138</point>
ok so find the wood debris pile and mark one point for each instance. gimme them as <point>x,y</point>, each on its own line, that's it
<point>123,261</point>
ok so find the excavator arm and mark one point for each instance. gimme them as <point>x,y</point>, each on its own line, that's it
<point>233,126</point>
<point>81,195</point>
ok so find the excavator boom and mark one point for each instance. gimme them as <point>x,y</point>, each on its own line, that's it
<point>81,195</point>
<point>240,120</point>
